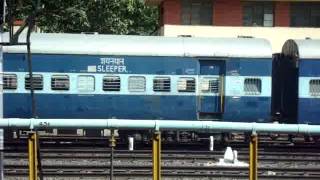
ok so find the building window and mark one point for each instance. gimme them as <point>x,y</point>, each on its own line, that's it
<point>314,87</point>
<point>161,84</point>
<point>258,14</point>
<point>86,83</point>
<point>111,83</point>
<point>252,86</point>
<point>305,14</point>
<point>60,82</point>
<point>196,12</point>
<point>10,81</point>
<point>137,84</point>
<point>37,82</point>
<point>186,84</point>
<point>210,85</point>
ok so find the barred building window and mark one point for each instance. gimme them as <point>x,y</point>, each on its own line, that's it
<point>258,14</point>
<point>196,12</point>
<point>10,81</point>
<point>305,14</point>
<point>37,81</point>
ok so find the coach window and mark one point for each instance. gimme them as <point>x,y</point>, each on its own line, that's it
<point>111,83</point>
<point>252,86</point>
<point>161,84</point>
<point>314,87</point>
<point>10,81</point>
<point>258,14</point>
<point>37,81</point>
<point>196,12</point>
<point>137,84</point>
<point>60,82</point>
<point>86,83</point>
<point>186,84</point>
<point>210,85</point>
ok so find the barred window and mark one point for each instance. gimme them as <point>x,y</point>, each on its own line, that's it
<point>10,81</point>
<point>137,84</point>
<point>196,12</point>
<point>305,14</point>
<point>252,86</point>
<point>60,82</point>
<point>161,84</point>
<point>186,84</point>
<point>111,83</point>
<point>258,14</point>
<point>37,81</point>
<point>210,85</point>
<point>314,87</point>
<point>86,83</point>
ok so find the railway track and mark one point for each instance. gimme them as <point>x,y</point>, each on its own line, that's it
<point>170,171</point>
<point>88,158</point>
<point>182,164</point>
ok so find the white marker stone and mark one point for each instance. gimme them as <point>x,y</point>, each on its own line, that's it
<point>131,143</point>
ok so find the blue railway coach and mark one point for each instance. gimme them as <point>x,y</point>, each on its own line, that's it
<point>305,56</point>
<point>137,77</point>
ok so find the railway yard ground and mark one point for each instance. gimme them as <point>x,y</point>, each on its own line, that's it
<point>89,158</point>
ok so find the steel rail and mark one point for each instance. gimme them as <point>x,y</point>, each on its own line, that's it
<point>179,171</point>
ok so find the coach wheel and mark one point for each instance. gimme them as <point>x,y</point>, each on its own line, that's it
<point>226,137</point>
<point>308,138</point>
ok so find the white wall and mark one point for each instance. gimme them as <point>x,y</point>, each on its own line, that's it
<point>276,35</point>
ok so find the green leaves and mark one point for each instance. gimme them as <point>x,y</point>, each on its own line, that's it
<point>102,16</point>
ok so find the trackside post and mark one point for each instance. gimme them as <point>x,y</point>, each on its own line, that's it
<point>253,167</point>
<point>156,155</point>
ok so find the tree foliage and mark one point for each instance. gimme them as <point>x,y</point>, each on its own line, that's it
<point>102,16</point>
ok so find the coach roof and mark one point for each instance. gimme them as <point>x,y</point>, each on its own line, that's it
<point>96,44</point>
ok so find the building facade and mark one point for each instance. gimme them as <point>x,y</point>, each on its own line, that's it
<point>276,21</point>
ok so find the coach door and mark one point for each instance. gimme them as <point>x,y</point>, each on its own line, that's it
<point>211,88</point>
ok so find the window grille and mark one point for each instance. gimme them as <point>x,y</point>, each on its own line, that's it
<point>186,84</point>
<point>10,81</point>
<point>86,83</point>
<point>252,86</point>
<point>111,83</point>
<point>314,87</point>
<point>210,85</point>
<point>305,14</point>
<point>196,12</point>
<point>258,14</point>
<point>161,84</point>
<point>60,82</point>
<point>37,82</point>
<point>137,84</point>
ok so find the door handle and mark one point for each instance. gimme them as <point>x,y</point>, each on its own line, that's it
<point>222,93</point>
